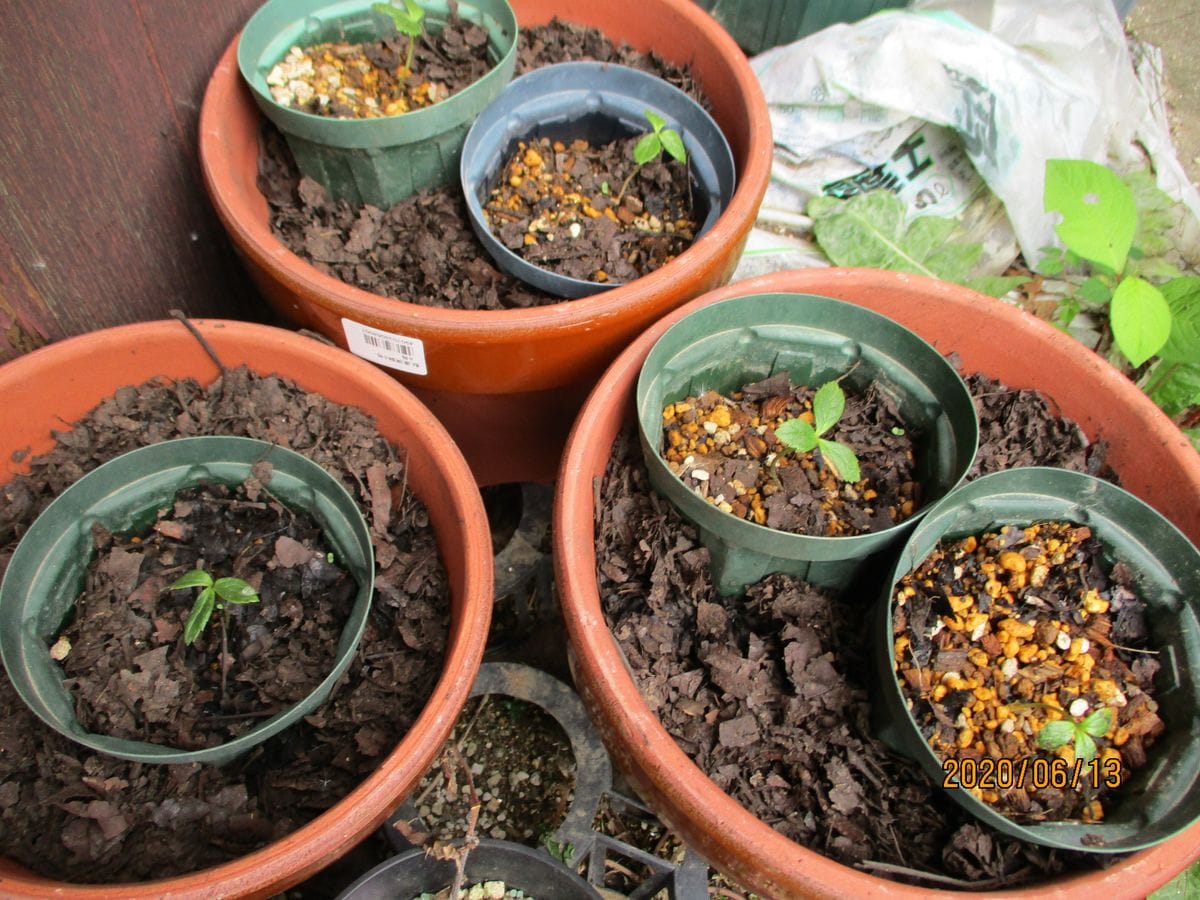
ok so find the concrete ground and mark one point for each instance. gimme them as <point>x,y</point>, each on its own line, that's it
<point>1174,27</point>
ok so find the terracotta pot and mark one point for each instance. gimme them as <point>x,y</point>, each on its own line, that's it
<point>59,383</point>
<point>1156,463</point>
<point>496,374</point>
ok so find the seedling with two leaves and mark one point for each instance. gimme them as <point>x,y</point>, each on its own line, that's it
<point>651,146</point>
<point>828,404</point>
<point>1083,732</point>
<point>215,594</point>
<point>409,19</point>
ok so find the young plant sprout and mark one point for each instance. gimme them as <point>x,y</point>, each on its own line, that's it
<point>828,404</point>
<point>1054,734</point>
<point>215,595</point>
<point>651,146</point>
<point>409,20</point>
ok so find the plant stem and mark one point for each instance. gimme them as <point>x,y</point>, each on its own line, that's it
<point>224,650</point>
<point>625,184</point>
<point>1161,372</point>
<point>408,57</point>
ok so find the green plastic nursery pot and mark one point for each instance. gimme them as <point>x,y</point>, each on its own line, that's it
<point>378,160</point>
<point>816,339</point>
<point>49,566</point>
<point>758,25</point>
<point>1161,799</point>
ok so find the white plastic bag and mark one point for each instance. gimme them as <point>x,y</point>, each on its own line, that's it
<point>897,98</point>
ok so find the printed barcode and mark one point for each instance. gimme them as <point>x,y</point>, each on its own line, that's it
<point>384,344</point>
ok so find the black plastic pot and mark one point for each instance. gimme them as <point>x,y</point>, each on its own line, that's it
<point>599,103</point>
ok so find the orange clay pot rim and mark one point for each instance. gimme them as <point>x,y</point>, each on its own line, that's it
<point>255,236</point>
<point>305,850</point>
<point>643,736</point>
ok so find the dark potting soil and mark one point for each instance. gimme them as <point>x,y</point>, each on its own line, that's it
<point>74,815</point>
<point>769,695</point>
<point>423,250</point>
<point>726,449</point>
<point>372,79</point>
<point>591,212</point>
<point>130,670</point>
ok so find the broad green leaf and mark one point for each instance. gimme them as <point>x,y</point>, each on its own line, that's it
<point>1179,390</point>
<point>1085,747</point>
<point>194,578</point>
<point>871,230</point>
<point>1095,291</point>
<point>1183,299</point>
<point>995,285</point>
<point>1155,214</point>
<point>1140,319</point>
<point>797,434</point>
<point>234,590</point>
<point>1054,734</point>
<point>828,404</point>
<point>1185,886</point>
<point>646,149</point>
<point>841,459</point>
<point>1098,213</point>
<point>656,121</point>
<point>673,144</point>
<point>202,611</point>
<point>1098,723</point>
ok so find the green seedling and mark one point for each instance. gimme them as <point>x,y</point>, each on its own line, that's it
<point>409,20</point>
<point>651,146</point>
<point>214,595</point>
<point>1083,732</point>
<point>828,404</point>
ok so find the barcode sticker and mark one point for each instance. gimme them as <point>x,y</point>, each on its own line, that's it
<point>395,351</point>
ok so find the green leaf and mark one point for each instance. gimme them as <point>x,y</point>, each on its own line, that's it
<point>1085,747</point>
<point>646,149</point>
<point>1095,291</point>
<point>828,404</point>
<point>798,435</point>
<point>1054,734</point>
<point>1098,212</point>
<point>194,578</point>
<point>1180,389</point>
<point>673,144</point>
<point>234,590</point>
<point>1183,299</point>
<point>1185,887</point>
<point>1155,214</point>
<point>1052,261</point>
<point>202,611</point>
<point>1140,319</point>
<point>1098,723</point>
<point>656,121</point>
<point>840,459</point>
<point>871,230</point>
<point>995,285</point>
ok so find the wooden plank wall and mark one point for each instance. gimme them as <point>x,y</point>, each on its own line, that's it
<point>103,215</point>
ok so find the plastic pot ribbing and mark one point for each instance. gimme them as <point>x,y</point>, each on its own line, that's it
<point>48,569</point>
<point>60,383</point>
<point>508,382</point>
<point>415,873</point>
<point>598,103</point>
<point>377,160</point>
<point>1159,800</point>
<point>725,345</point>
<point>1157,464</point>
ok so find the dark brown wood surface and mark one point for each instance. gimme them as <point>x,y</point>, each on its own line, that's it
<point>103,214</point>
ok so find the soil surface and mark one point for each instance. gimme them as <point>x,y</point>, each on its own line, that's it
<point>768,694</point>
<point>591,212</point>
<point>423,250</point>
<point>726,450</point>
<point>129,667</point>
<point>373,79</point>
<point>1003,638</point>
<point>74,815</point>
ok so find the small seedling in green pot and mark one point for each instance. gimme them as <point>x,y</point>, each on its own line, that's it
<point>1083,732</point>
<point>651,146</point>
<point>828,404</point>
<point>214,595</point>
<point>409,19</point>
